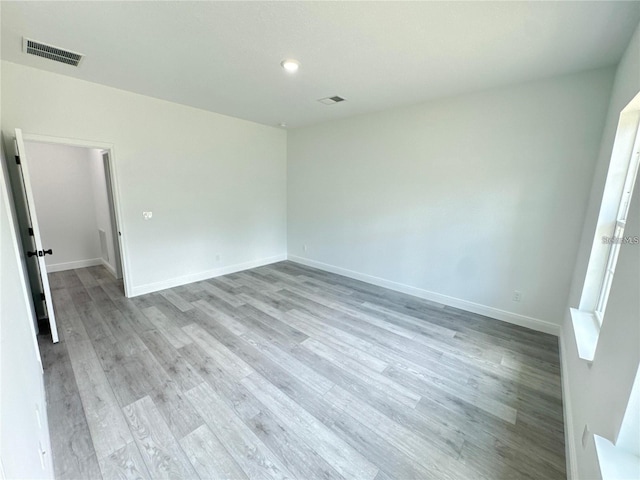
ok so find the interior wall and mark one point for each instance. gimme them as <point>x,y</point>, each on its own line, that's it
<point>596,395</point>
<point>463,200</point>
<point>63,191</point>
<point>23,424</point>
<point>103,208</point>
<point>216,185</point>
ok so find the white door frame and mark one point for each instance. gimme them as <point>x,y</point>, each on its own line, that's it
<point>115,191</point>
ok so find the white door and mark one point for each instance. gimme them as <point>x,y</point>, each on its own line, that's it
<point>40,251</point>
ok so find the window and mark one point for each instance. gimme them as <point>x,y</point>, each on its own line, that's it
<point>618,236</point>
<point>588,317</point>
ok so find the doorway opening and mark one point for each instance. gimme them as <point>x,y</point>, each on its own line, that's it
<point>69,218</point>
<point>71,190</point>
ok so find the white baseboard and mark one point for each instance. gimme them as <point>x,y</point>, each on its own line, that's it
<point>197,277</point>
<point>569,437</point>
<point>109,268</point>
<point>503,315</point>
<point>60,267</point>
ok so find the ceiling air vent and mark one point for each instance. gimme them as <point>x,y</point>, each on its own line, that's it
<point>331,100</point>
<point>52,53</point>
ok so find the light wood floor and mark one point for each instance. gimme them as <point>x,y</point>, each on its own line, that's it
<point>289,372</point>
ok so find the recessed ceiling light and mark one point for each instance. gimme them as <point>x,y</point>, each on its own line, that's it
<point>290,65</point>
<point>282,124</point>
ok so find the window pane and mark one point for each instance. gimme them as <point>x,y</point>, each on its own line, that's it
<point>604,294</point>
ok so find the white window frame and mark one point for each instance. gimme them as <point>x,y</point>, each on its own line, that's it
<point>618,237</point>
<point>588,317</point>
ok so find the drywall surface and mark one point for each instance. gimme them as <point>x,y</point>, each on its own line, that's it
<point>62,183</point>
<point>463,200</point>
<point>596,395</point>
<point>102,208</point>
<point>216,185</point>
<point>23,409</point>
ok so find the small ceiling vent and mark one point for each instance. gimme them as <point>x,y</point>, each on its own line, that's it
<point>331,100</point>
<point>52,53</point>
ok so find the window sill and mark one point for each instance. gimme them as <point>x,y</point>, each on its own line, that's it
<point>616,463</point>
<point>587,331</point>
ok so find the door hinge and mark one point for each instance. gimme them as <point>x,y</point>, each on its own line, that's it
<point>17,160</point>
<point>42,297</point>
<point>30,231</point>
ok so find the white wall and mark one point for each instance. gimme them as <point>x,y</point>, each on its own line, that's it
<point>22,434</point>
<point>596,395</point>
<point>461,200</point>
<point>63,190</point>
<point>216,185</point>
<point>102,207</point>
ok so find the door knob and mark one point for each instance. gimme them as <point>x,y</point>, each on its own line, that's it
<point>32,254</point>
<point>48,252</point>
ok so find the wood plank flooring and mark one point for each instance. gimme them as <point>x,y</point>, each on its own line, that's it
<point>285,371</point>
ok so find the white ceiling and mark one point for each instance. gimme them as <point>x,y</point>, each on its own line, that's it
<point>225,56</point>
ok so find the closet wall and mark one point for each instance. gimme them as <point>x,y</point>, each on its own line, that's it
<point>70,204</point>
